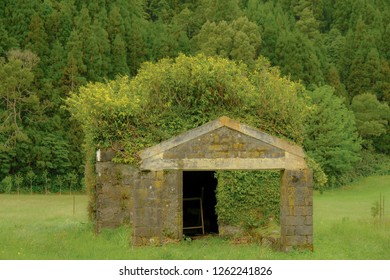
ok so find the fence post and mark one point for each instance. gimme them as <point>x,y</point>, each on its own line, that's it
<point>74,205</point>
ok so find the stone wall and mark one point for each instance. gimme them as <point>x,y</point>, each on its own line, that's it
<point>157,207</point>
<point>150,198</point>
<point>151,201</point>
<point>224,143</point>
<point>147,221</point>
<point>296,209</point>
<point>114,194</point>
<point>172,205</point>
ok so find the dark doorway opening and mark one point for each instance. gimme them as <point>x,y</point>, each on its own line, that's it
<point>199,200</point>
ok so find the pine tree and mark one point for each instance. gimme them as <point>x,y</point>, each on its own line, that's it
<point>239,40</point>
<point>119,57</point>
<point>271,20</point>
<point>116,24</point>
<point>382,87</point>
<point>75,68</point>
<point>7,42</point>
<point>342,15</point>
<point>333,79</point>
<point>137,47</point>
<point>136,29</point>
<point>96,53</point>
<point>67,12</point>
<point>218,10</point>
<point>308,24</point>
<point>37,39</point>
<point>297,57</point>
<point>358,79</point>
<point>185,20</point>
<point>386,42</point>
<point>18,18</point>
<point>335,44</point>
<point>56,62</point>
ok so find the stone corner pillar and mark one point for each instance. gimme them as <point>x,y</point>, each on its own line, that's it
<point>296,209</point>
<point>147,220</point>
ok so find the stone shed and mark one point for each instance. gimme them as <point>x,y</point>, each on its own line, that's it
<point>174,173</point>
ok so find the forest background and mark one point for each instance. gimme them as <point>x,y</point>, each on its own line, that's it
<point>339,50</point>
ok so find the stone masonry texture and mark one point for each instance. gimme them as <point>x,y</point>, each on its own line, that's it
<point>114,201</point>
<point>296,209</point>
<point>151,200</point>
<point>224,143</point>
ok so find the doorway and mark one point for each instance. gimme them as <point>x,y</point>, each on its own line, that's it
<point>199,200</point>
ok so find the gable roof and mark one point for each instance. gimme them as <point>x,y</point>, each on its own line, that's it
<point>216,124</point>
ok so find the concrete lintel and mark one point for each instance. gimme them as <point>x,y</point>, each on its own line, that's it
<point>290,162</point>
<point>215,164</point>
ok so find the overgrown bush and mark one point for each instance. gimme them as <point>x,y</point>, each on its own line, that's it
<point>248,199</point>
<point>174,95</point>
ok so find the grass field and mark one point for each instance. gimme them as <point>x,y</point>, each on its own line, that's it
<point>45,227</point>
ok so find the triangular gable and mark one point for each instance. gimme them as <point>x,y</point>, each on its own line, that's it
<point>223,144</point>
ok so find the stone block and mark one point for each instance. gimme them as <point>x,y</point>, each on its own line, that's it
<point>147,217</point>
<point>304,230</point>
<point>309,220</point>
<point>288,230</point>
<point>294,240</point>
<point>301,211</point>
<point>238,146</point>
<point>155,231</point>
<point>289,240</point>
<point>104,155</point>
<point>289,220</point>
<point>142,231</point>
<point>103,167</point>
<point>220,154</point>
<point>293,220</point>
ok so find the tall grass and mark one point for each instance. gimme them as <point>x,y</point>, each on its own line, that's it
<point>44,227</point>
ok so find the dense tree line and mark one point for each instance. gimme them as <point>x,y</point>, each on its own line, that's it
<point>339,50</point>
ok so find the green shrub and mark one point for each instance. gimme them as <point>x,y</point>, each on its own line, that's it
<point>6,185</point>
<point>248,199</point>
<point>372,163</point>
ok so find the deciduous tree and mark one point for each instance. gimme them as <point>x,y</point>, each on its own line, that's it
<point>331,137</point>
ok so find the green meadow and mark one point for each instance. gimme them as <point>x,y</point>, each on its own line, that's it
<point>54,227</point>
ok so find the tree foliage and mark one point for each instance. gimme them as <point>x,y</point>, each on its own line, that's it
<point>239,40</point>
<point>372,116</point>
<point>183,93</point>
<point>331,135</point>
<point>343,44</point>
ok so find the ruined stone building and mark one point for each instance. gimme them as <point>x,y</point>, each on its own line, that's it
<point>151,198</point>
